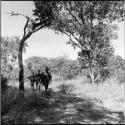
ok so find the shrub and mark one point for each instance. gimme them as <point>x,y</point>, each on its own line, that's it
<point>121,76</point>
<point>4,81</point>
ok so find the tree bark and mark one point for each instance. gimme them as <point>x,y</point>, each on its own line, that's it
<point>20,62</point>
<point>21,70</point>
<point>97,78</point>
<point>91,76</point>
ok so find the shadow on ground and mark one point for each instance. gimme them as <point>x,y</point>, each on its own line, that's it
<point>63,108</point>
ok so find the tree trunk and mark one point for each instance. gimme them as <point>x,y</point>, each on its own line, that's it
<point>92,79</point>
<point>97,78</point>
<point>91,76</point>
<point>20,62</point>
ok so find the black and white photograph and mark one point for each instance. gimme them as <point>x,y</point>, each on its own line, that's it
<point>62,62</point>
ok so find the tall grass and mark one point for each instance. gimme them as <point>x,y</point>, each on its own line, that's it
<point>14,108</point>
<point>110,93</point>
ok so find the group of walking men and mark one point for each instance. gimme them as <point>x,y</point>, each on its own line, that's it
<point>39,79</point>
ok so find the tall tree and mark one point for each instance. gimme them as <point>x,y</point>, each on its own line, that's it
<point>97,62</point>
<point>88,25</point>
<point>37,21</point>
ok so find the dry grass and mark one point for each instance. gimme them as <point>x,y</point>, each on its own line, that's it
<point>110,93</point>
<point>14,83</point>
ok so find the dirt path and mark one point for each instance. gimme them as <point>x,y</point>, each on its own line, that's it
<point>70,109</point>
<point>66,108</point>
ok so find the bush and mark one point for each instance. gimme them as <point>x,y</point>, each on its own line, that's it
<point>4,81</point>
<point>121,76</point>
<point>70,70</point>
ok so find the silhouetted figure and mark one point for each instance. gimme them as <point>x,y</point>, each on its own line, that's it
<point>46,78</point>
<point>43,78</point>
<point>49,76</point>
<point>32,80</point>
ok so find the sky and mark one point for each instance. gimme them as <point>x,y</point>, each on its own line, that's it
<point>44,43</point>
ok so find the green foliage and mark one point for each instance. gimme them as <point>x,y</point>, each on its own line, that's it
<point>62,66</point>
<point>70,69</point>
<point>117,67</point>
<point>121,76</point>
<point>65,67</point>
<point>116,63</point>
<point>100,58</point>
<point>44,13</point>
<point>119,63</point>
<point>42,17</point>
<point>85,22</point>
<point>88,25</point>
<point>10,46</point>
<point>78,19</point>
<point>14,74</point>
<point>9,51</point>
<point>36,63</point>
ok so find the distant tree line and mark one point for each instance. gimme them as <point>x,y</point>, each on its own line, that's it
<point>62,66</point>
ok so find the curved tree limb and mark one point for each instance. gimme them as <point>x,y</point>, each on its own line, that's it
<point>72,40</point>
<point>73,16</point>
<point>26,27</point>
<point>17,14</point>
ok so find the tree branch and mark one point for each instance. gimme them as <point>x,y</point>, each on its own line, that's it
<point>81,47</point>
<point>38,29</point>
<point>74,24</point>
<point>75,43</point>
<point>26,27</point>
<point>81,9</point>
<point>97,78</point>
<point>28,18</point>
<point>83,21</point>
<point>110,21</point>
<point>71,39</point>
<point>17,14</point>
<point>73,36</point>
<point>73,16</point>
<point>39,24</point>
